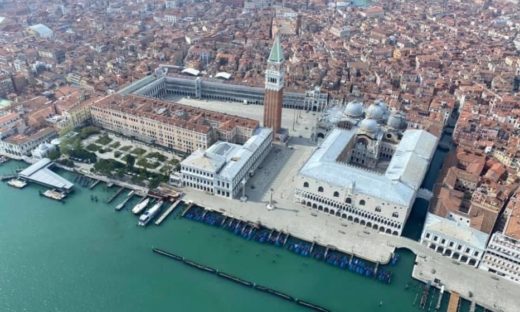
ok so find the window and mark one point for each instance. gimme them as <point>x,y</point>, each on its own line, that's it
<point>378,209</point>
<point>348,200</point>
<point>320,189</point>
<point>362,202</point>
<point>305,184</point>
<point>395,215</point>
<point>336,194</point>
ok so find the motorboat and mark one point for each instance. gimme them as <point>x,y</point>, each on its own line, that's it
<point>140,206</point>
<point>148,215</point>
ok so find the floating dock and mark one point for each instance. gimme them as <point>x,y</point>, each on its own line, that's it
<point>240,281</point>
<point>453,306</point>
<point>111,199</point>
<point>7,177</point>
<point>167,212</point>
<point>123,203</point>
<point>439,300</point>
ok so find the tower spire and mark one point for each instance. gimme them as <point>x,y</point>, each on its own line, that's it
<point>276,55</point>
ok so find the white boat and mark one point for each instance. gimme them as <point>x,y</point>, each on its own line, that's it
<point>17,183</point>
<point>54,194</point>
<point>140,206</point>
<point>149,214</point>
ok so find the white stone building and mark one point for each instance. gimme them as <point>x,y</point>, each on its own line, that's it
<point>367,171</point>
<point>222,168</point>
<point>454,238</point>
<point>502,257</point>
<point>22,144</point>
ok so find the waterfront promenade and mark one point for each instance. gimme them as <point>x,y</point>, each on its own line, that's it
<point>276,173</point>
<point>473,284</point>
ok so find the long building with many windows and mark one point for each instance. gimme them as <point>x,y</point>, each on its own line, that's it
<point>224,168</point>
<point>180,127</point>
<point>502,255</point>
<point>165,86</point>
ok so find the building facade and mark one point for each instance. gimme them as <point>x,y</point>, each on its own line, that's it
<point>502,257</point>
<point>163,85</point>
<point>274,82</point>
<point>22,144</point>
<point>224,168</point>
<point>454,239</point>
<point>171,125</point>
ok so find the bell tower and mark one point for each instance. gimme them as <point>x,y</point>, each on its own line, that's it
<point>274,82</point>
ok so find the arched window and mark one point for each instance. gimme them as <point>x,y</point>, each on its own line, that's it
<point>362,202</point>
<point>336,194</point>
<point>320,189</point>
<point>305,184</point>
<point>378,209</point>
<point>348,200</point>
<point>395,214</point>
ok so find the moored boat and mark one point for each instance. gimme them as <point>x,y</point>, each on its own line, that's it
<point>140,206</point>
<point>148,215</point>
<point>54,194</point>
<point>17,183</point>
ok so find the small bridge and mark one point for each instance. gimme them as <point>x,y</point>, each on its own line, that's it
<point>425,194</point>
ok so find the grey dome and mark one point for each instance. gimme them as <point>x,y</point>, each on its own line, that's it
<point>369,126</point>
<point>384,108</point>
<point>396,121</point>
<point>354,109</point>
<point>375,111</point>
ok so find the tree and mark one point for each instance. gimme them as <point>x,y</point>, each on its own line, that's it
<point>130,162</point>
<point>54,154</point>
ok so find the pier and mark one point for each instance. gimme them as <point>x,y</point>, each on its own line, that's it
<point>111,199</point>
<point>40,173</point>
<point>167,212</point>
<point>93,185</point>
<point>240,281</point>
<point>453,306</point>
<point>7,177</point>
<point>123,203</point>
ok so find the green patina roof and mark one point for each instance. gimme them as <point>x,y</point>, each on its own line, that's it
<point>276,54</point>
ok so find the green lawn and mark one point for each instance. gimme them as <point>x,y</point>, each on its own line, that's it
<point>104,139</point>
<point>93,147</point>
<point>138,151</point>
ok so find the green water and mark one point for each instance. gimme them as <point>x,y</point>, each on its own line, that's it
<point>84,256</point>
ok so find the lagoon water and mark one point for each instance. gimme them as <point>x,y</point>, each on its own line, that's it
<point>84,256</point>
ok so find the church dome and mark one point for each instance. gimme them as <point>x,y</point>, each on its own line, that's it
<point>354,109</point>
<point>368,125</point>
<point>396,121</point>
<point>375,111</point>
<point>384,108</point>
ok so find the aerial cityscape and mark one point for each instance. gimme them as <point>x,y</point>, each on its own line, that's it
<point>282,155</point>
